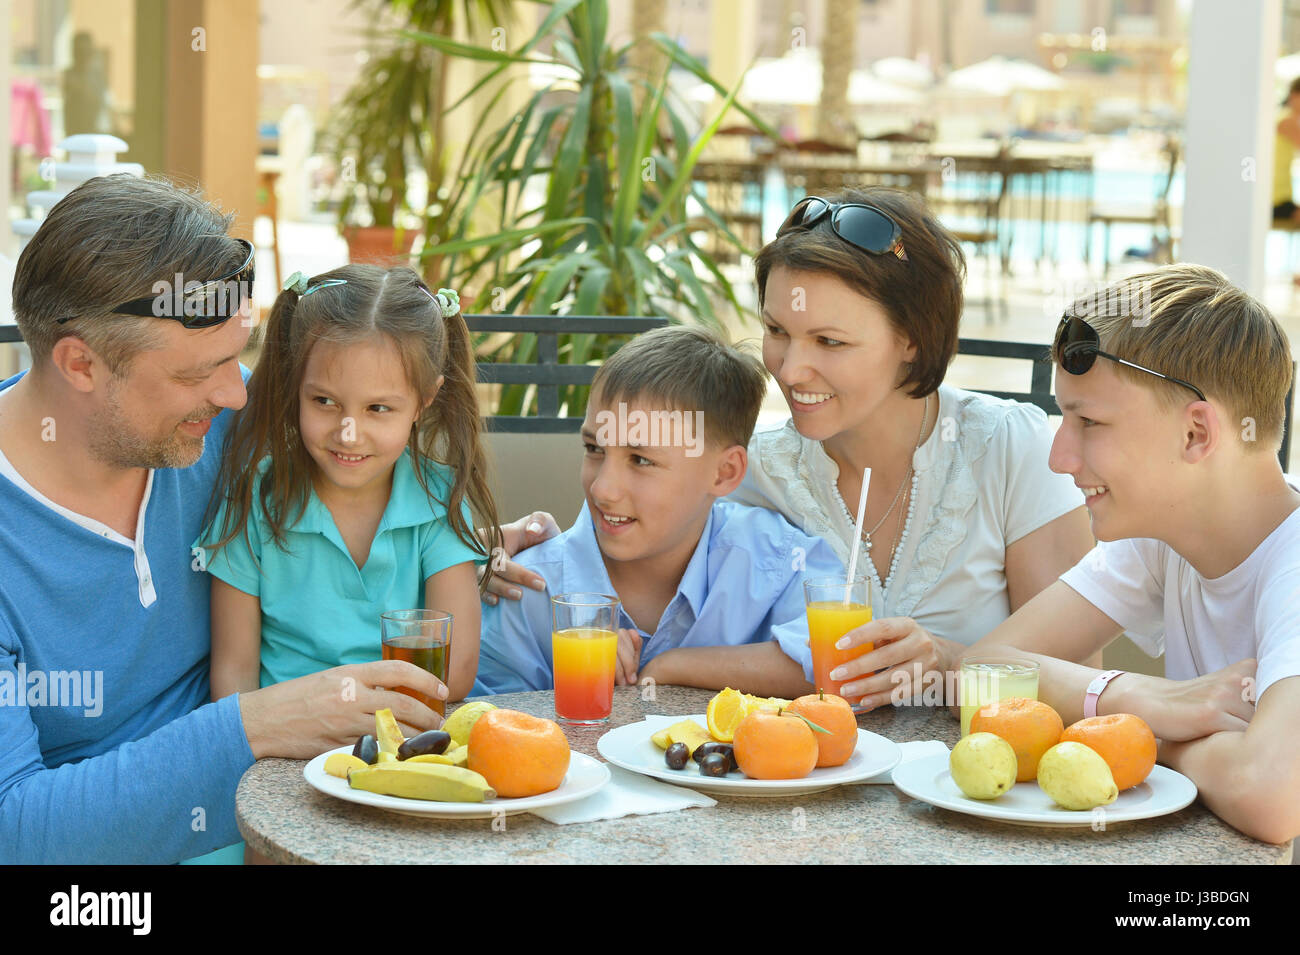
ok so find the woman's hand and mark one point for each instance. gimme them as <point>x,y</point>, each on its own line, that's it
<point>908,654</point>
<point>507,576</point>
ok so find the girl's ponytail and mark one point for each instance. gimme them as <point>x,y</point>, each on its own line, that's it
<point>453,433</point>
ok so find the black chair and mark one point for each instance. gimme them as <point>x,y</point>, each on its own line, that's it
<point>1040,383</point>
<point>10,333</point>
<point>547,373</point>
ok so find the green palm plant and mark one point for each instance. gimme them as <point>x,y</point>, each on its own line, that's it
<point>610,233</point>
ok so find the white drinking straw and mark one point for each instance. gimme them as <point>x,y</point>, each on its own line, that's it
<point>857,534</point>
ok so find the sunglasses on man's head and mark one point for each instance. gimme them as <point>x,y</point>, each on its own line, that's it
<point>857,223</point>
<point>196,305</point>
<point>1078,346</point>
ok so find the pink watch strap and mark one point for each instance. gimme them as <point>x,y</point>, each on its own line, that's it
<point>1094,691</point>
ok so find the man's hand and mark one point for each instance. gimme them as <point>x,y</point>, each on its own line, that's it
<point>301,718</point>
<point>629,657</point>
<point>1222,701</point>
<point>507,576</point>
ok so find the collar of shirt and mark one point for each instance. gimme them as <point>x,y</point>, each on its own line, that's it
<point>408,505</point>
<point>585,572</point>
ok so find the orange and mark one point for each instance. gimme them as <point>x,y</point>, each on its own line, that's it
<point>775,746</point>
<point>1031,727</point>
<point>1123,740</point>
<point>724,714</point>
<point>518,754</point>
<point>833,714</point>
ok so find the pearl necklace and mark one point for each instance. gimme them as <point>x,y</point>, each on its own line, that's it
<point>896,551</point>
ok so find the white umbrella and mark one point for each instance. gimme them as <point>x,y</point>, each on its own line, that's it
<point>794,80</point>
<point>868,90</point>
<point>999,76</point>
<point>905,72</point>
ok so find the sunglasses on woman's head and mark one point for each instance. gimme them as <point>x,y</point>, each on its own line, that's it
<point>857,223</point>
<point>196,305</point>
<point>1078,346</point>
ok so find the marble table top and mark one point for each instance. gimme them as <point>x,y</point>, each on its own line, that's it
<point>288,821</point>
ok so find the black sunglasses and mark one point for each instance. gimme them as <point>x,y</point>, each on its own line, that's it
<point>196,305</point>
<point>857,223</point>
<point>1078,345</point>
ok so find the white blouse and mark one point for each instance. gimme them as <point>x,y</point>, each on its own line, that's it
<point>982,484</point>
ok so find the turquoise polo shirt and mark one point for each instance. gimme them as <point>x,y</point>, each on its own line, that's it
<point>320,610</point>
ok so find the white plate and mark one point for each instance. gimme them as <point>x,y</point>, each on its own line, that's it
<point>630,747</point>
<point>929,780</point>
<point>584,777</point>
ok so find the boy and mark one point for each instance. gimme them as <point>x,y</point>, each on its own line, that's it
<point>711,591</point>
<point>1173,417</point>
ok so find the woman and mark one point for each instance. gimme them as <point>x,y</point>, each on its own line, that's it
<point>861,296</point>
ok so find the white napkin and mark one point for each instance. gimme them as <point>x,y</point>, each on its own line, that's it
<point>916,749</point>
<point>626,794</point>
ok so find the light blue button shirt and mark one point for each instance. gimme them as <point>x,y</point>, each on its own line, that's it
<point>743,584</point>
<point>320,610</point>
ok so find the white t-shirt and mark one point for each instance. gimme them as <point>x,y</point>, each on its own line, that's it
<point>983,483</point>
<point>1200,624</point>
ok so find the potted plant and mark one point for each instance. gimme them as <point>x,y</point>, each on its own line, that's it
<point>390,122</point>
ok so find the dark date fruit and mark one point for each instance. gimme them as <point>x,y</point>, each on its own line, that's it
<point>715,764</point>
<point>708,749</point>
<point>677,755</point>
<point>430,741</point>
<point>367,750</point>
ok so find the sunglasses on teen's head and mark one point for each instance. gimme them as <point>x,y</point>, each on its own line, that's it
<point>1077,345</point>
<point>857,223</point>
<point>195,304</point>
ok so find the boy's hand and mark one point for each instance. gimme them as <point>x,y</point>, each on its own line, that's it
<point>299,719</point>
<point>1186,709</point>
<point>507,576</point>
<point>629,657</point>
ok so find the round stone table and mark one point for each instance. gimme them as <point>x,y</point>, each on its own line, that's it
<point>288,821</point>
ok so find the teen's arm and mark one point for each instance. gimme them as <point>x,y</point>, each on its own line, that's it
<point>762,669</point>
<point>1059,625</point>
<point>1250,778</point>
<point>455,590</point>
<point>236,640</point>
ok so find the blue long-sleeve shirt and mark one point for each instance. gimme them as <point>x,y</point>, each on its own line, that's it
<point>109,749</point>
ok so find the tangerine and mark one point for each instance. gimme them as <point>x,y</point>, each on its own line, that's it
<point>518,754</point>
<point>1123,740</point>
<point>775,746</point>
<point>833,714</point>
<point>1030,726</point>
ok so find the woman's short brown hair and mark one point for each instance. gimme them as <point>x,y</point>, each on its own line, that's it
<point>922,296</point>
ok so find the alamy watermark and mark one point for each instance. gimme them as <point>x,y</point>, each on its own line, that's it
<point>71,688</point>
<point>651,429</point>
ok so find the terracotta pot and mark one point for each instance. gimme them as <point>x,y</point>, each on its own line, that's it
<point>379,245</point>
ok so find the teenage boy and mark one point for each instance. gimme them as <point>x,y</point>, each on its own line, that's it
<point>1173,413</point>
<point>710,592</point>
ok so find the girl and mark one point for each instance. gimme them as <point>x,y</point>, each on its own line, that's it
<point>351,483</point>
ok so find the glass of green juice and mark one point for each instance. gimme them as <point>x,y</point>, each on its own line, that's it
<point>991,677</point>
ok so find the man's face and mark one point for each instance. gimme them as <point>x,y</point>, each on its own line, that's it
<point>646,500</point>
<point>833,351</point>
<point>156,415</point>
<point>1121,448</point>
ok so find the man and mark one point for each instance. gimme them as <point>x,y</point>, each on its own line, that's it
<point>134,303</point>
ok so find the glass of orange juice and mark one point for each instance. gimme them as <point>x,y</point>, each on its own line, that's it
<point>831,616</point>
<point>422,637</point>
<point>584,647</point>
<point>991,677</point>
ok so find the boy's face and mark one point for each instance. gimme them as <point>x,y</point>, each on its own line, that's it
<point>157,415</point>
<point>1122,449</point>
<point>647,495</point>
<point>355,411</point>
<point>833,351</point>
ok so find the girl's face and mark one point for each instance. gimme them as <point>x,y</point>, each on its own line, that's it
<point>356,409</point>
<point>833,351</point>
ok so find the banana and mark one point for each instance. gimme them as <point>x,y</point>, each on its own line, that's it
<point>340,764</point>
<point>430,781</point>
<point>388,732</point>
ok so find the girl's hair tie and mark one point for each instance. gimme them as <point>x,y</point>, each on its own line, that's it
<point>298,282</point>
<point>447,298</point>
